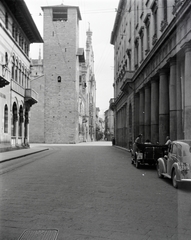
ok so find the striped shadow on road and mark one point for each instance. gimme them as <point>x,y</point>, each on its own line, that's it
<point>39,234</point>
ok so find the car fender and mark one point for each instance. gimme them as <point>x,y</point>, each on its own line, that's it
<point>162,166</point>
<point>176,168</point>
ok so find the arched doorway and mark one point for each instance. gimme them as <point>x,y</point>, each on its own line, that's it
<point>20,122</point>
<point>6,119</point>
<point>14,120</point>
<point>26,131</point>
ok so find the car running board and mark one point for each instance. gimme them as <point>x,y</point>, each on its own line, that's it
<point>166,175</point>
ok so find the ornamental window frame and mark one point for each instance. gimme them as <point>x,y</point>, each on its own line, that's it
<point>147,25</point>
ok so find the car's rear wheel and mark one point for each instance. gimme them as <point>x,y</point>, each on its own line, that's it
<point>174,179</point>
<point>159,171</point>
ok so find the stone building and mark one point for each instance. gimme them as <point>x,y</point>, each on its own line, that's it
<point>17,32</point>
<point>152,87</point>
<point>109,124</point>
<point>65,83</point>
<point>91,88</point>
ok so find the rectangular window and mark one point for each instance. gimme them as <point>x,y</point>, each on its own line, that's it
<point>136,52</point>
<point>147,25</point>
<point>155,22</point>
<point>154,8</point>
<point>60,14</point>
<point>142,48</point>
<point>148,37</point>
<point>6,20</point>
<point>165,9</point>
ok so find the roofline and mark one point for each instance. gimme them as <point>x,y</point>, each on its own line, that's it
<point>117,20</point>
<point>19,6</point>
<point>64,6</point>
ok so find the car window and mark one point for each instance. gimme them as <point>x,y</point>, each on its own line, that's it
<point>187,154</point>
<point>174,149</point>
<point>179,150</point>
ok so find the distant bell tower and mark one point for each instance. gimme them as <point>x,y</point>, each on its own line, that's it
<point>61,68</point>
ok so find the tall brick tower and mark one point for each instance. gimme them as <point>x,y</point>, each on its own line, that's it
<point>61,68</point>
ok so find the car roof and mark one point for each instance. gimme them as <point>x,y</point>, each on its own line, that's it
<point>183,142</point>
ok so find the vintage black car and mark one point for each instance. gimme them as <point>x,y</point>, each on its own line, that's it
<point>147,154</point>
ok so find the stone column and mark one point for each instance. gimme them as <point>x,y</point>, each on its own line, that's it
<point>23,129</point>
<point>163,106</point>
<point>179,122</point>
<point>141,112</point>
<point>147,115</point>
<point>154,110</point>
<point>187,91</point>
<point>136,114</point>
<point>172,98</point>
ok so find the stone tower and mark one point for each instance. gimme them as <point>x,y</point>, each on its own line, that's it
<point>91,86</point>
<point>61,69</point>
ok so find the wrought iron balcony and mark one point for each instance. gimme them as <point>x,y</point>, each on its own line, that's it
<point>31,97</point>
<point>4,76</point>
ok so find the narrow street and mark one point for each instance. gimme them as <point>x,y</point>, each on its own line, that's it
<point>87,192</point>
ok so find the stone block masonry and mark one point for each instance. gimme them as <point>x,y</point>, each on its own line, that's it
<point>61,42</point>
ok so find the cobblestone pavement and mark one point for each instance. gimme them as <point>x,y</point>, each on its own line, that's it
<point>90,192</point>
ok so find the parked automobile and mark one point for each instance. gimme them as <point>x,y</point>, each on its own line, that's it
<point>147,154</point>
<point>176,165</point>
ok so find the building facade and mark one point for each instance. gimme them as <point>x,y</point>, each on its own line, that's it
<point>64,81</point>
<point>17,32</point>
<point>91,87</point>
<point>109,124</point>
<point>152,44</point>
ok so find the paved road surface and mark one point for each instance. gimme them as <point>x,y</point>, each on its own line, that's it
<point>90,192</point>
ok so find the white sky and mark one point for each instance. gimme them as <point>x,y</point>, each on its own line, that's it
<point>100,14</point>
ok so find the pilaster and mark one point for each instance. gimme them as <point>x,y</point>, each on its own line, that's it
<point>187,91</point>
<point>141,111</point>
<point>136,114</point>
<point>179,79</point>
<point>147,115</point>
<point>155,110</point>
<point>172,98</point>
<point>163,105</point>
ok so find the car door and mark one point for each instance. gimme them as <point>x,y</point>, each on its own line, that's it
<point>172,157</point>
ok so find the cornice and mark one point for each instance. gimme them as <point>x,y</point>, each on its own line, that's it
<point>169,29</point>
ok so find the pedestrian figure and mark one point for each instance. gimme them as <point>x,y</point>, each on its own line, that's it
<point>137,140</point>
<point>168,142</point>
<point>113,141</point>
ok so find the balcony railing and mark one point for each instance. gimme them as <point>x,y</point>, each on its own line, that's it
<point>17,88</point>
<point>31,96</point>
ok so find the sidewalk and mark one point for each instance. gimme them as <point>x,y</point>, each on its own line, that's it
<point>10,155</point>
<point>35,148</point>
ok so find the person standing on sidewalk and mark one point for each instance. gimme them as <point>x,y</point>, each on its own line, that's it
<point>137,140</point>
